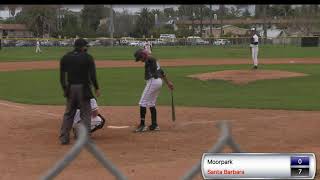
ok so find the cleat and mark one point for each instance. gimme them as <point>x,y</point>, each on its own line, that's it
<point>141,128</point>
<point>64,140</point>
<point>75,135</point>
<point>154,128</point>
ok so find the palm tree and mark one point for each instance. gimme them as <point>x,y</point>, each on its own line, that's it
<point>39,19</point>
<point>12,10</point>
<point>201,17</point>
<point>221,10</point>
<point>2,7</point>
<point>145,22</point>
<point>264,22</point>
<point>210,19</point>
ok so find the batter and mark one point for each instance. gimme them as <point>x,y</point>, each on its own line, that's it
<point>153,76</point>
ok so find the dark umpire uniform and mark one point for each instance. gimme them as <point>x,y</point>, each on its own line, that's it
<point>80,69</point>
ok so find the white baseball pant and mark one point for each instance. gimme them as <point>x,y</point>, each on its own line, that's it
<point>38,49</point>
<point>254,53</point>
<point>94,120</point>
<point>151,92</point>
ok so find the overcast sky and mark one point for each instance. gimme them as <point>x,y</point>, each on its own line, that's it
<point>130,7</point>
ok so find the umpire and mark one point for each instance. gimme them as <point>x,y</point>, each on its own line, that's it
<point>77,75</point>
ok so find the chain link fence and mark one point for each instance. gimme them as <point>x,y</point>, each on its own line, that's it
<point>242,42</point>
<point>225,139</point>
<point>83,141</point>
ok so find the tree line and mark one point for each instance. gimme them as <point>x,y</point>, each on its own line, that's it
<point>94,20</point>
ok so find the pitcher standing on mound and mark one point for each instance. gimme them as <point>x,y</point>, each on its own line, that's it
<point>153,75</point>
<point>254,46</point>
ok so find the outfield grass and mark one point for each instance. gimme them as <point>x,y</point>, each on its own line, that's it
<point>126,53</point>
<point>123,86</point>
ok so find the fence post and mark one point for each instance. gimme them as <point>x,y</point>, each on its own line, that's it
<point>104,161</point>
<point>224,139</point>
<point>70,156</point>
<point>82,141</point>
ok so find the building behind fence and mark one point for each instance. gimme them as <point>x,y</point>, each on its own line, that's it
<point>225,41</point>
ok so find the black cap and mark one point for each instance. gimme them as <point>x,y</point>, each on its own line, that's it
<point>138,54</point>
<point>79,43</point>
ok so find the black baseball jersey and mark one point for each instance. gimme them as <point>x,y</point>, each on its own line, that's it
<point>152,69</point>
<point>78,68</point>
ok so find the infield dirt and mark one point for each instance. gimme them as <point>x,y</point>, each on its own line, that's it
<point>29,135</point>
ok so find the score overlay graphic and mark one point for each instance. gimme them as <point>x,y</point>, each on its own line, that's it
<point>258,165</point>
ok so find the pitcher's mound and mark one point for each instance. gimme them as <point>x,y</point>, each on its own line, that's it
<point>246,76</point>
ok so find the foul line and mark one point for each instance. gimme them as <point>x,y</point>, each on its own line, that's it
<point>118,127</point>
<point>54,115</point>
<point>11,105</point>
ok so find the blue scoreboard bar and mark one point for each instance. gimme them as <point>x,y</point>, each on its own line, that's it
<point>258,165</point>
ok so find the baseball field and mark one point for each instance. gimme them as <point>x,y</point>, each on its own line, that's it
<point>273,109</point>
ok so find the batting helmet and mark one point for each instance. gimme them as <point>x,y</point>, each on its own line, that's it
<point>139,54</point>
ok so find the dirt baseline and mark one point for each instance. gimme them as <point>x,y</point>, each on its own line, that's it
<point>29,139</point>
<point>13,66</point>
<point>29,133</point>
<point>246,76</point>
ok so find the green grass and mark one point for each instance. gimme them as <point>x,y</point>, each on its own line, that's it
<point>123,86</point>
<point>179,52</point>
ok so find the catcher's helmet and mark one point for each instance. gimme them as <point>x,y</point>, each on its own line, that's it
<point>139,54</point>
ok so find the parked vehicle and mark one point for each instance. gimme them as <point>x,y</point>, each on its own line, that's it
<point>9,43</point>
<point>126,40</point>
<point>22,43</point>
<point>168,38</point>
<point>46,43</point>
<point>220,42</point>
<point>106,41</point>
<point>135,43</point>
<point>95,43</point>
<point>66,43</point>
<point>55,43</point>
<point>141,43</point>
<point>159,42</point>
<point>196,40</point>
<point>116,43</point>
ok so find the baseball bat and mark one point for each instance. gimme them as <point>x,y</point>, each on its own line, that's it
<point>173,112</point>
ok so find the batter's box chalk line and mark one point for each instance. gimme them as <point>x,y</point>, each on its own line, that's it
<point>85,142</point>
<point>53,115</point>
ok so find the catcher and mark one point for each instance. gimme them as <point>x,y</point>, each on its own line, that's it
<point>97,120</point>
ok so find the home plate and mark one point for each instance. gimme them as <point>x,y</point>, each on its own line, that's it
<point>117,127</point>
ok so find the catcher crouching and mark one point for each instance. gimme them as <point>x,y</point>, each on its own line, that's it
<point>97,120</point>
